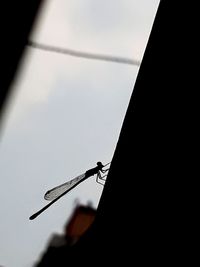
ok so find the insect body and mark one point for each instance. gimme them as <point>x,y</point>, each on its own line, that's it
<point>57,192</point>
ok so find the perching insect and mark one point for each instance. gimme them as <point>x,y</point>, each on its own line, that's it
<point>59,191</point>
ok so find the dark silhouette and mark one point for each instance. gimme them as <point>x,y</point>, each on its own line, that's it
<point>149,219</point>
<point>69,186</point>
<point>16,26</point>
<point>77,225</point>
<point>95,170</point>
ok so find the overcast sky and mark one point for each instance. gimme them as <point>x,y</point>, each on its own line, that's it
<point>65,114</point>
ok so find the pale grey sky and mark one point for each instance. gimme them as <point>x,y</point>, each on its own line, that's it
<point>65,115</point>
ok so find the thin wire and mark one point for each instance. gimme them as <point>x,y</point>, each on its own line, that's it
<point>107,164</point>
<point>76,53</point>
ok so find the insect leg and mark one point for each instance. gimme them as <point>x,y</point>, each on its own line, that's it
<point>99,177</point>
<point>103,171</point>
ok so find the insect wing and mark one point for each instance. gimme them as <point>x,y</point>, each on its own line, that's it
<point>59,190</point>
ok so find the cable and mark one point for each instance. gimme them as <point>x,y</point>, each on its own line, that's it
<point>76,53</point>
<point>107,164</point>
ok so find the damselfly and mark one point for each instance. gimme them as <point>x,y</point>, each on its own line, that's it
<point>57,192</point>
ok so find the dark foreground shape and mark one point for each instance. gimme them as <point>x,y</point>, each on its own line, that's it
<point>143,215</point>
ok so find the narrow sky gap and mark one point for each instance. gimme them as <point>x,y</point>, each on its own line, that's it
<point>66,114</point>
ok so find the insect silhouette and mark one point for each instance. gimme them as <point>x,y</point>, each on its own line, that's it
<point>59,191</point>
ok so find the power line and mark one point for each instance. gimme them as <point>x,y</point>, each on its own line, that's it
<point>76,53</point>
